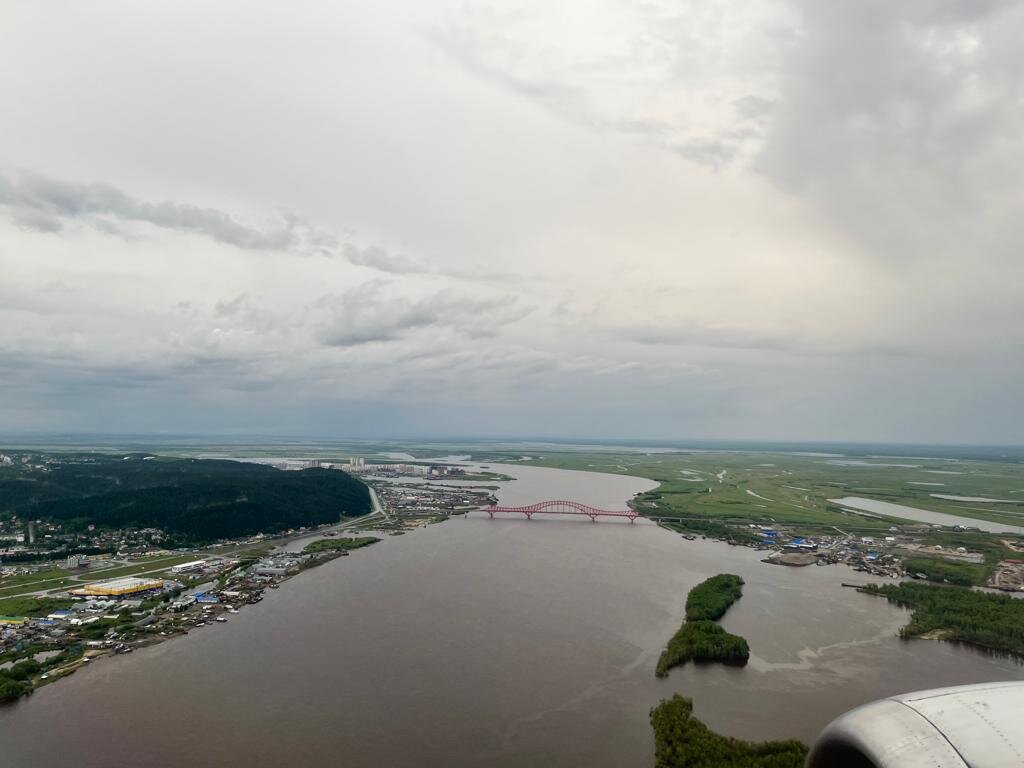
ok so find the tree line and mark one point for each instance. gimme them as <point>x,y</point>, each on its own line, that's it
<point>700,638</point>
<point>194,500</point>
<point>681,740</point>
<point>979,618</point>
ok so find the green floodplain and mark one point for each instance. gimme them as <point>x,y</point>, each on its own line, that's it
<point>720,494</point>
<point>795,488</point>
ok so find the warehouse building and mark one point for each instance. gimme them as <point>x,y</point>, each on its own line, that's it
<point>195,565</point>
<point>118,588</point>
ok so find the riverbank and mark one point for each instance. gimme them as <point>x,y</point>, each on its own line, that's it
<point>172,616</point>
<point>987,621</point>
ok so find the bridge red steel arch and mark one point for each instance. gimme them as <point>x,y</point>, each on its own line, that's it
<point>562,507</point>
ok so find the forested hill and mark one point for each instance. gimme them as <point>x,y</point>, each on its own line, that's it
<point>196,499</point>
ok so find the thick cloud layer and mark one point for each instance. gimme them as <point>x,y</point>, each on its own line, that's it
<point>783,220</point>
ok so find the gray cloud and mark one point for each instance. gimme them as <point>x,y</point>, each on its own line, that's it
<point>694,334</point>
<point>714,152</point>
<point>510,225</point>
<point>902,122</point>
<point>755,108</point>
<point>380,259</point>
<point>42,203</point>
<point>654,73</point>
<point>376,313</point>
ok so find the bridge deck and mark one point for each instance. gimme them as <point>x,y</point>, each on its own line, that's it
<point>562,507</point>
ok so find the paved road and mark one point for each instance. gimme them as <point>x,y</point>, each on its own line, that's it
<point>378,508</point>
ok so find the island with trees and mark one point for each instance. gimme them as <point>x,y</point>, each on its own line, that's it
<point>681,739</point>
<point>710,599</point>
<point>324,550</point>
<point>339,545</point>
<point>700,638</point>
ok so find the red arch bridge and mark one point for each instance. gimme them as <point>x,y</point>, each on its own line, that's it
<point>562,508</point>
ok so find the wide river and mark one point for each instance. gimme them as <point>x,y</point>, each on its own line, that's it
<point>478,643</point>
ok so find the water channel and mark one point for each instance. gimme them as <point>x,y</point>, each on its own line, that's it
<point>919,515</point>
<point>480,642</point>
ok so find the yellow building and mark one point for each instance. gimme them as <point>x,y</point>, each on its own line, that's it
<point>117,587</point>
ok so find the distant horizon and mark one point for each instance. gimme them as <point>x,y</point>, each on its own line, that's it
<point>682,443</point>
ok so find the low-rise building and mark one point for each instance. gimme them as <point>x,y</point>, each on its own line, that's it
<point>183,602</point>
<point>118,588</point>
<point>195,565</point>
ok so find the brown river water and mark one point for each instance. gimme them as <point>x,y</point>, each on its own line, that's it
<point>478,643</point>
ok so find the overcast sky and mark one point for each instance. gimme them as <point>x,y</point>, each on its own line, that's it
<point>777,220</point>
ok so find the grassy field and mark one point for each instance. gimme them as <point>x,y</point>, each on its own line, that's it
<point>23,583</point>
<point>25,578</point>
<point>143,566</point>
<point>31,606</point>
<point>58,578</point>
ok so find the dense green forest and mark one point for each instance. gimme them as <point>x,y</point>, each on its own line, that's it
<point>699,638</point>
<point>702,641</point>
<point>683,741</point>
<point>711,598</point>
<point>195,500</point>
<point>979,618</point>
